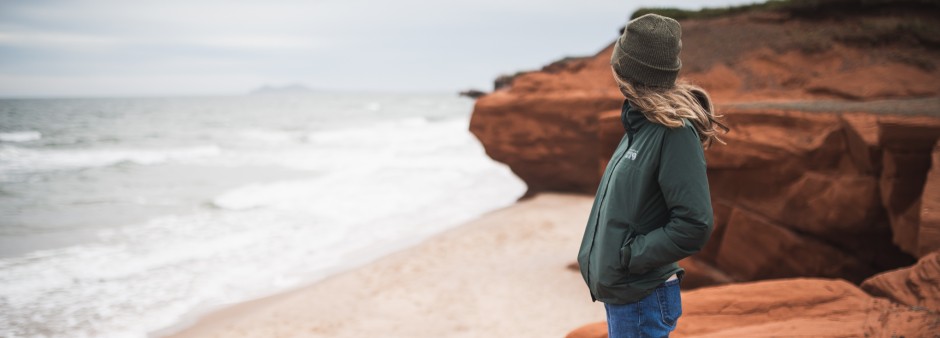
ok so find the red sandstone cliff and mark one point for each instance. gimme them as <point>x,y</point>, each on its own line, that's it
<point>832,168</point>
<point>834,115</point>
<point>544,124</point>
<point>791,308</point>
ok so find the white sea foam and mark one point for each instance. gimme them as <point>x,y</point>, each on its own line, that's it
<point>373,106</point>
<point>18,159</point>
<point>20,136</point>
<point>269,137</point>
<point>145,276</point>
<point>411,143</point>
<point>374,189</point>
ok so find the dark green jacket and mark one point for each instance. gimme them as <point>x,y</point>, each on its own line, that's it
<point>652,209</point>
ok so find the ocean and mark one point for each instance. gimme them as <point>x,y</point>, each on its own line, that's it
<point>120,217</point>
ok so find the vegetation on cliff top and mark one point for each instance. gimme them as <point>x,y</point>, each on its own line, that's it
<point>795,6</point>
<point>869,30</point>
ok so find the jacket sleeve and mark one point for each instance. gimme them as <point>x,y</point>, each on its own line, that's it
<point>684,185</point>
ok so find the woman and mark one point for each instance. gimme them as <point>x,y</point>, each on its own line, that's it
<point>652,207</point>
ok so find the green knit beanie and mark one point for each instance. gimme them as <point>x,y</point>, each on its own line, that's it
<point>648,51</point>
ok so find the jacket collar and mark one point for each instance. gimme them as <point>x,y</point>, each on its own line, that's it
<point>631,118</point>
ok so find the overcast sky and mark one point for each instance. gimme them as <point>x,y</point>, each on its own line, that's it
<point>189,47</point>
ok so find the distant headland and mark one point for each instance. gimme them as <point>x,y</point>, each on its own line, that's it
<point>295,88</point>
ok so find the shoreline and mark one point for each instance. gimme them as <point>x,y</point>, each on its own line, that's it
<point>500,274</point>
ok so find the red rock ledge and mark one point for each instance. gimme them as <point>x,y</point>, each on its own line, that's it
<point>831,168</point>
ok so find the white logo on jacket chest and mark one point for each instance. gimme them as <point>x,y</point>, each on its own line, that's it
<point>631,154</point>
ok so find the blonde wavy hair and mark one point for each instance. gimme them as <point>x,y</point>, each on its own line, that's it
<point>669,106</point>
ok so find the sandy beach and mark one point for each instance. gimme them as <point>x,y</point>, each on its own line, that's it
<point>501,275</point>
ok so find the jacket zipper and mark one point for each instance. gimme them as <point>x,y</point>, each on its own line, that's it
<point>600,207</point>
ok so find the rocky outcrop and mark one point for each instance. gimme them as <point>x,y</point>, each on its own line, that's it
<point>792,307</point>
<point>768,60</point>
<point>472,93</point>
<point>545,139</point>
<point>813,181</point>
<point>819,194</point>
<point>918,285</point>
<point>928,233</point>
<point>832,168</point>
<point>699,273</point>
<point>909,154</point>
<point>815,193</point>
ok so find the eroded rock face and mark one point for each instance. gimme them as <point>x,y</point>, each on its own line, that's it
<point>545,139</point>
<point>907,158</point>
<point>803,193</point>
<point>803,188</point>
<point>768,61</point>
<point>928,233</point>
<point>809,307</point>
<point>754,247</point>
<point>918,285</point>
<point>793,307</point>
<point>818,194</point>
<point>829,171</point>
<point>698,273</point>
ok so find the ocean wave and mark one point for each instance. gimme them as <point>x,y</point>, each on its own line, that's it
<point>374,187</point>
<point>269,137</point>
<point>404,141</point>
<point>20,160</point>
<point>271,237</point>
<point>401,131</point>
<point>20,136</point>
<point>259,195</point>
<point>146,276</point>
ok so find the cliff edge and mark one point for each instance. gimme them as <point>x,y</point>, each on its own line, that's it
<point>832,167</point>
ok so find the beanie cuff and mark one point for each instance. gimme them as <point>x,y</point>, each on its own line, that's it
<point>636,72</point>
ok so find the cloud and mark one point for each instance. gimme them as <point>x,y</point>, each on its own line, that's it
<point>55,39</point>
<point>47,47</point>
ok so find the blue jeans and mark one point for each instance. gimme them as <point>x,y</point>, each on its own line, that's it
<point>653,316</point>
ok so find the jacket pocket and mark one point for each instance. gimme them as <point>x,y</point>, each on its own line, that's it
<point>625,254</point>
